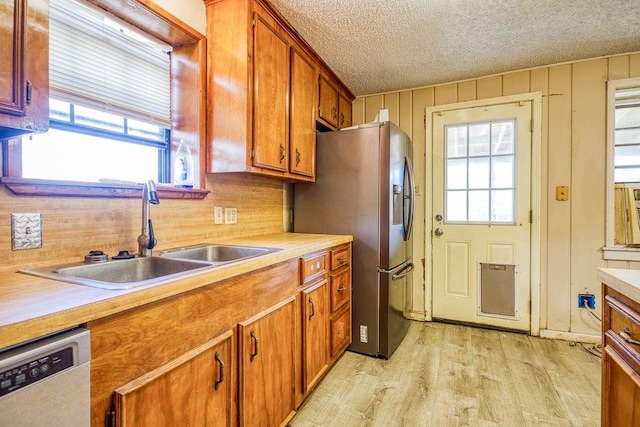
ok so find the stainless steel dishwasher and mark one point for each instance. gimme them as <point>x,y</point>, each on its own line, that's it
<point>46,382</point>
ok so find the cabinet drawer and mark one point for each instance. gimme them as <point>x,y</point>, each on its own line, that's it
<point>340,331</point>
<point>340,289</point>
<point>624,326</point>
<point>313,266</point>
<point>340,257</point>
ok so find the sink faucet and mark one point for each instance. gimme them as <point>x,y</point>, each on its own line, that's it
<point>147,240</point>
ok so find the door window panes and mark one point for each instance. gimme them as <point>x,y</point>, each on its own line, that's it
<point>480,173</point>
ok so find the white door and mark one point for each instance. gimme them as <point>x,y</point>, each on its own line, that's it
<point>481,227</point>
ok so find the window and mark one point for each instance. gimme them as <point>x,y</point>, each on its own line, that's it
<point>110,98</point>
<point>183,117</point>
<point>627,136</point>
<point>479,173</point>
<point>623,170</point>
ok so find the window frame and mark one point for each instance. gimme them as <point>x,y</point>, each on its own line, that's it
<point>188,109</point>
<point>611,251</point>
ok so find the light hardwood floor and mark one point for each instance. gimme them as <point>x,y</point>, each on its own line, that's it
<point>451,375</point>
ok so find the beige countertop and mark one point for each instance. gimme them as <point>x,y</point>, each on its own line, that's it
<point>625,281</point>
<point>31,307</point>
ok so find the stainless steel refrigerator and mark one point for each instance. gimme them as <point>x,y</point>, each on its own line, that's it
<point>365,187</point>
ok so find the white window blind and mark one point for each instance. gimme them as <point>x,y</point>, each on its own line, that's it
<point>101,62</point>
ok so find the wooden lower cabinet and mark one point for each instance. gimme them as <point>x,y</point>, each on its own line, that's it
<point>267,365</point>
<point>315,320</point>
<point>242,351</point>
<point>620,360</point>
<point>195,389</point>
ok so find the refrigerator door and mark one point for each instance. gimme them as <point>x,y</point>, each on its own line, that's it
<point>393,324</point>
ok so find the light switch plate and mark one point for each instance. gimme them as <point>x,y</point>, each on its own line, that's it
<point>218,215</point>
<point>562,193</point>
<point>26,231</point>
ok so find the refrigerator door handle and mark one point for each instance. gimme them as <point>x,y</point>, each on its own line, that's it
<point>411,197</point>
<point>403,272</point>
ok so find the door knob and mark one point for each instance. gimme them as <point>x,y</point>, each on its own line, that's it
<point>439,231</point>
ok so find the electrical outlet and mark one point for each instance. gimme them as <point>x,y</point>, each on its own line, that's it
<point>230,215</point>
<point>364,334</point>
<point>26,231</point>
<point>589,299</point>
<point>218,215</point>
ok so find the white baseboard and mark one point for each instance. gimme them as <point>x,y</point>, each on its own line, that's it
<point>570,336</point>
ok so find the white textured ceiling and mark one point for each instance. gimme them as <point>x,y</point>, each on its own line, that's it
<point>386,45</point>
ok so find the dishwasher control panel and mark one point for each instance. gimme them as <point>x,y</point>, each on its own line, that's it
<point>29,363</point>
<point>29,372</point>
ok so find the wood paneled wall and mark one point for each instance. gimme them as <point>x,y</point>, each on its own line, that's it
<point>573,154</point>
<point>72,226</point>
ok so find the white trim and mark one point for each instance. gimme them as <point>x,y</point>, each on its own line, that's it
<point>570,336</point>
<point>621,253</point>
<point>536,175</point>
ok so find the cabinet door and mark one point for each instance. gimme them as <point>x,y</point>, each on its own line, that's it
<point>327,102</point>
<point>340,330</point>
<point>315,312</point>
<point>24,67</point>
<point>267,367</point>
<point>194,389</point>
<point>270,92</point>
<point>345,112</point>
<point>302,119</point>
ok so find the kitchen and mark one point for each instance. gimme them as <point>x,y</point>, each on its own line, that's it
<point>568,258</point>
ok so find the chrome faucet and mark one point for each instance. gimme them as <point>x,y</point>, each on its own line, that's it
<point>147,240</point>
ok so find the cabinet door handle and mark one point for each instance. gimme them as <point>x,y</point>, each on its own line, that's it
<point>334,112</point>
<point>281,153</point>
<point>313,308</point>
<point>29,91</point>
<point>297,157</point>
<point>254,353</point>
<point>220,378</point>
<point>625,333</point>
<point>341,119</point>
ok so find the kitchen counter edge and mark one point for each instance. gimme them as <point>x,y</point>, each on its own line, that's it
<point>625,281</point>
<point>31,307</point>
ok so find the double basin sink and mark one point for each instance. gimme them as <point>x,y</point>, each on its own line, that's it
<point>144,271</point>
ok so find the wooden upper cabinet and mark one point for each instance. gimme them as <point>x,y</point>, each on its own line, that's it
<point>262,93</point>
<point>345,116</point>
<point>195,389</point>
<point>24,67</point>
<point>327,102</point>
<point>334,106</point>
<point>302,148</point>
<point>270,91</point>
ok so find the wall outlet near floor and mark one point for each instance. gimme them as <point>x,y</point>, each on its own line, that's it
<point>26,231</point>
<point>230,215</point>
<point>589,299</point>
<point>218,215</point>
<point>364,334</point>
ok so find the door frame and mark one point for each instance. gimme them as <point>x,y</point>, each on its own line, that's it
<point>536,177</point>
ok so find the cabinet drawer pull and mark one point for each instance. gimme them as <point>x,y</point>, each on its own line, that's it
<point>220,378</point>
<point>281,153</point>
<point>313,308</point>
<point>625,333</point>
<point>341,289</point>
<point>342,259</point>
<point>254,353</point>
